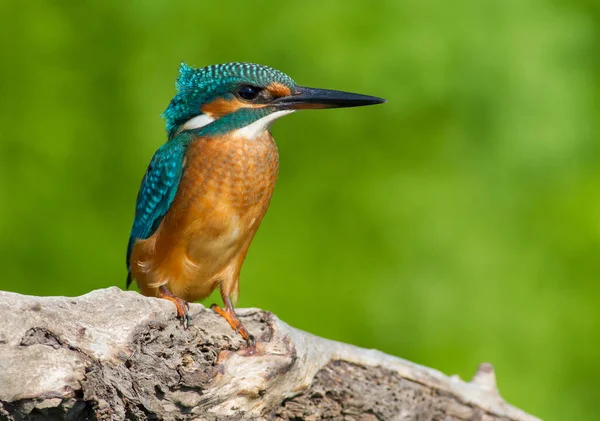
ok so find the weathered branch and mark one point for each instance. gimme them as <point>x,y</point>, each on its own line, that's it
<point>117,355</point>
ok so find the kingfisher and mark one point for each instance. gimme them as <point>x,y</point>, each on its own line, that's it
<point>207,189</point>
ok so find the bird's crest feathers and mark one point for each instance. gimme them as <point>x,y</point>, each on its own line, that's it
<point>186,76</point>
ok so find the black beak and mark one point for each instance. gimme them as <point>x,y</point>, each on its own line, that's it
<point>305,98</point>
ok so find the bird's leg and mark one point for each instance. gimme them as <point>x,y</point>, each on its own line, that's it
<point>229,314</point>
<point>182,305</point>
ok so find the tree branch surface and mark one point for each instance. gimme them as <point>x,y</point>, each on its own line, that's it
<point>115,355</point>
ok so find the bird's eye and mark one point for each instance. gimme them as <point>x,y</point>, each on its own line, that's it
<point>248,92</point>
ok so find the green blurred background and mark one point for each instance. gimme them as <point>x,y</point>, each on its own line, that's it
<point>458,223</point>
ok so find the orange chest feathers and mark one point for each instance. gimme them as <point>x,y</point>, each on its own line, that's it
<point>222,197</point>
<point>231,171</point>
<point>226,186</point>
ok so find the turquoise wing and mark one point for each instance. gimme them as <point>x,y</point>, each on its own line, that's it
<point>157,192</point>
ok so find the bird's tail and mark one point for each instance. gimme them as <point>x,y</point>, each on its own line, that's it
<point>129,279</point>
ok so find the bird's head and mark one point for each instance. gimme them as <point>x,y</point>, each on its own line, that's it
<point>240,94</point>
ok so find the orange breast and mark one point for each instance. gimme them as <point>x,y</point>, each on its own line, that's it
<point>203,239</point>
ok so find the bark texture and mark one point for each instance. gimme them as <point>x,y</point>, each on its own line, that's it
<point>113,355</point>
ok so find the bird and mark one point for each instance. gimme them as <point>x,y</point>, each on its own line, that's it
<point>207,189</point>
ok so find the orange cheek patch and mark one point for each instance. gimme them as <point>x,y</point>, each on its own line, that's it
<point>220,107</point>
<point>278,89</point>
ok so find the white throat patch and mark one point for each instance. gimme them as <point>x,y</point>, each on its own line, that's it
<point>200,120</point>
<point>257,128</point>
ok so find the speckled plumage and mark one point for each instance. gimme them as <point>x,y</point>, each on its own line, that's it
<point>158,189</point>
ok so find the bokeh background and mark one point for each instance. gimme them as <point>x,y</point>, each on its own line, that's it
<point>458,223</point>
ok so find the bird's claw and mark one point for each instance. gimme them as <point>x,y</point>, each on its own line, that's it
<point>231,318</point>
<point>182,306</point>
<point>186,321</point>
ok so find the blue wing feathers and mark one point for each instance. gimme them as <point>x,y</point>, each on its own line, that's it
<point>157,192</point>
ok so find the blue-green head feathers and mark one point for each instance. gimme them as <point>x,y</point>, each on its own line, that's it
<point>196,87</point>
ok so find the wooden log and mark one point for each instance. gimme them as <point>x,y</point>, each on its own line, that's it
<point>114,355</point>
